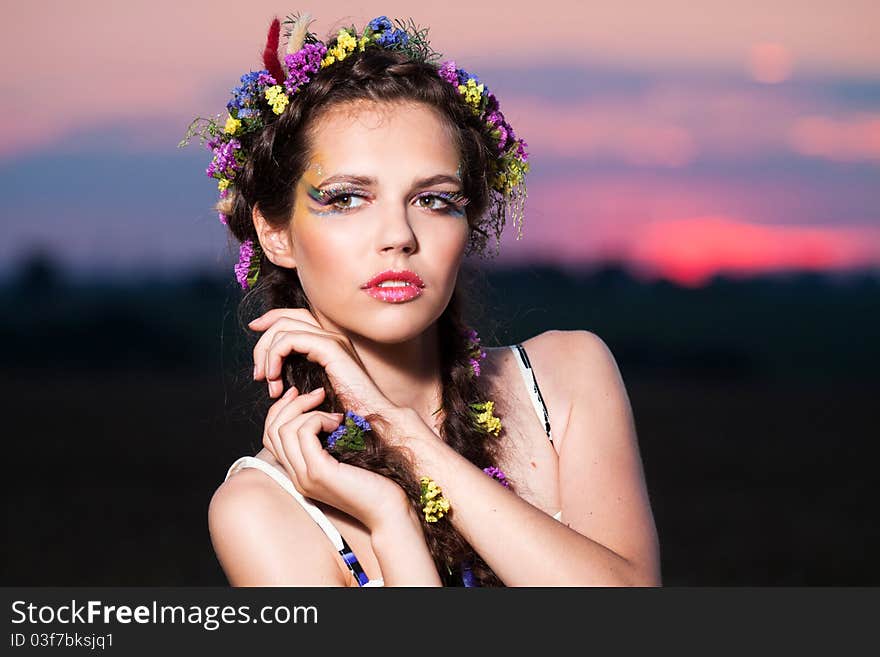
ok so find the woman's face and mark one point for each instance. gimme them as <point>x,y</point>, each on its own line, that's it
<point>382,191</point>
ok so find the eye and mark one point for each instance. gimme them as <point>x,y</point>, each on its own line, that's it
<point>443,202</point>
<point>344,201</point>
<point>432,202</point>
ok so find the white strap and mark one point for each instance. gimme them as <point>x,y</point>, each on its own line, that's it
<point>530,381</point>
<point>285,482</point>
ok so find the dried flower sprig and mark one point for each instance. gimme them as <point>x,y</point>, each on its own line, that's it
<point>350,434</point>
<point>434,505</point>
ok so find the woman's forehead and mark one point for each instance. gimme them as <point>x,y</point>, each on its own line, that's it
<point>366,131</point>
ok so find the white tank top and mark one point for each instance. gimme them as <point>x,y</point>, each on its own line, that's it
<point>324,523</point>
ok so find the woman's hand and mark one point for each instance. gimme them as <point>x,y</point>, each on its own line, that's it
<point>286,330</point>
<point>291,435</point>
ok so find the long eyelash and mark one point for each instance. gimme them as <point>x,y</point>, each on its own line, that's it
<point>330,194</point>
<point>455,200</point>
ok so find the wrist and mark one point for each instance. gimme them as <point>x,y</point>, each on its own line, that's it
<point>394,523</point>
<point>409,431</point>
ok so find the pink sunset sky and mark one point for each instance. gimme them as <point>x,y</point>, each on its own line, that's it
<point>684,139</point>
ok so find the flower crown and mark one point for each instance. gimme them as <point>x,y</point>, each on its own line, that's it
<point>264,95</point>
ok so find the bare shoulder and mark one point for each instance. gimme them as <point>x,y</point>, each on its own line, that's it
<point>563,350</point>
<point>264,537</point>
<point>569,364</point>
<point>580,358</point>
<point>601,477</point>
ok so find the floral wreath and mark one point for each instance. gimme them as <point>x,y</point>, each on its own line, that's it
<point>264,95</point>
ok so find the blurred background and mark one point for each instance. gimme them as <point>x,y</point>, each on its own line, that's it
<point>703,196</point>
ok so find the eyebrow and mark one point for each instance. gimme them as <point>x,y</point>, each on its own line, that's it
<point>366,181</point>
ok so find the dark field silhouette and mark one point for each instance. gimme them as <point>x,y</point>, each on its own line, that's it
<point>754,402</point>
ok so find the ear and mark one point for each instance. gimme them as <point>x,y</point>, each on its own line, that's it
<point>275,242</point>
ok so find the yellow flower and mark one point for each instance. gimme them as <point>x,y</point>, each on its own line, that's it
<point>362,42</point>
<point>232,125</point>
<point>345,45</point>
<point>435,506</point>
<point>346,40</point>
<point>223,184</point>
<point>488,422</point>
<point>277,98</point>
<point>473,94</point>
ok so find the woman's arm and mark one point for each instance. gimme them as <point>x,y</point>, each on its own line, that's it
<point>262,537</point>
<point>609,537</point>
<point>403,556</point>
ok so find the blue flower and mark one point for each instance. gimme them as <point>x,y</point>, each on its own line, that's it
<point>395,38</point>
<point>380,24</point>
<point>358,420</point>
<point>349,434</point>
<point>336,435</point>
<point>247,93</point>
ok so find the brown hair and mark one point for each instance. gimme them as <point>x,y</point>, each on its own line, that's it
<point>268,180</point>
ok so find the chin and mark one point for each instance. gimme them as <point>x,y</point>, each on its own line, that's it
<point>399,323</point>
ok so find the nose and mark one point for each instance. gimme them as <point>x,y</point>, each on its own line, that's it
<point>396,232</point>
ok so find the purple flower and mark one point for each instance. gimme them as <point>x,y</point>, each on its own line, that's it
<point>475,364</point>
<point>302,65</point>
<point>447,72</point>
<point>245,253</point>
<point>491,102</point>
<point>222,217</point>
<point>225,162</point>
<point>264,79</point>
<point>498,474</point>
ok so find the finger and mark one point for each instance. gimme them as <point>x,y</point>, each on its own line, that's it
<point>265,340</point>
<point>302,434</point>
<point>274,417</point>
<point>280,403</point>
<point>273,315</point>
<point>315,456</point>
<point>302,404</point>
<point>315,346</point>
<point>291,436</point>
<point>288,442</point>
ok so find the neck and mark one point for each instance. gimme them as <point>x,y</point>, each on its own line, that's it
<point>407,373</point>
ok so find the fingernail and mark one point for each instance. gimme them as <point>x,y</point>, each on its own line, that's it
<point>289,391</point>
<point>316,391</point>
<point>255,372</point>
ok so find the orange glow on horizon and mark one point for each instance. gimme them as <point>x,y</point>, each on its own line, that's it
<point>690,251</point>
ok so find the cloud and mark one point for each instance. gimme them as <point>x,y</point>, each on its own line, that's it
<point>848,139</point>
<point>690,250</point>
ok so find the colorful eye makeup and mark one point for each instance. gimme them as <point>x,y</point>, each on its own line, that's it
<point>453,202</point>
<point>340,199</point>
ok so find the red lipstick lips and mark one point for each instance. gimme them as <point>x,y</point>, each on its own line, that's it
<point>399,286</point>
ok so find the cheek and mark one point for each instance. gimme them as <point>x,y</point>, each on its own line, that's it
<point>453,242</point>
<point>323,255</point>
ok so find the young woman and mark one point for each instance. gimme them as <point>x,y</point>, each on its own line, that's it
<point>357,174</point>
